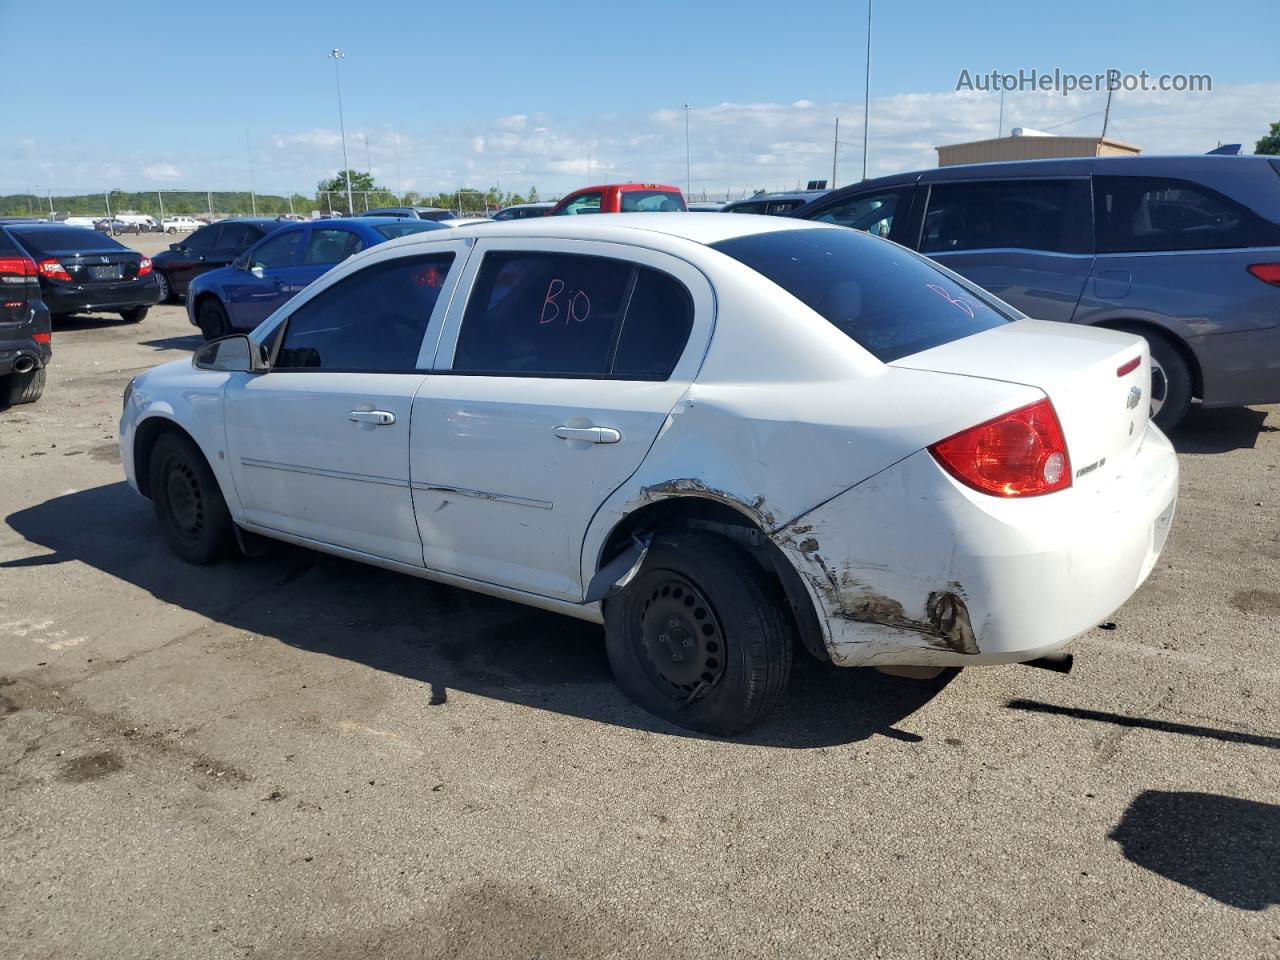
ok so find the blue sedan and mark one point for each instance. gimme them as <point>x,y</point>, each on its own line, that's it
<point>241,296</point>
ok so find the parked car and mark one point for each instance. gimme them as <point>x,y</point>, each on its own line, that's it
<point>412,213</point>
<point>604,418</point>
<point>621,198</point>
<point>25,332</point>
<point>84,271</point>
<point>774,204</point>
<point>522,211</point>
<point>180,224</point>
<point>208,248</point>
<point>139,223</point>
<point>270,272</point>
<point>110,225</point>
<point>705,206</point>
<point>89,222</point>
<point>1182,250</point>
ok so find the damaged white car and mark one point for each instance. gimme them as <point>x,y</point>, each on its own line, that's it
<point>721,437</point>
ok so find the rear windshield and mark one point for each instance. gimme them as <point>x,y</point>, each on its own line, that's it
<point>405,227</point>
<point>651,201</point>
<point>63,239</point>
<point>887,300</point>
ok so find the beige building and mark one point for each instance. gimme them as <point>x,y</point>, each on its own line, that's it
<point>1033,146</point>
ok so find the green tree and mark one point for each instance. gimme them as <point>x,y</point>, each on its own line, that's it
<point>533,195</point>
<point>360,181</point>
<point>1270,144</point>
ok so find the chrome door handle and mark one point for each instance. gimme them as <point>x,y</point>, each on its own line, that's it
<point>379,418</point>
<point>589,434</point>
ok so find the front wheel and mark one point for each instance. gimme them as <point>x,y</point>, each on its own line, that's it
<point>700,636</point>
<point>213,320</point>
<point>188,501</point>
<point>135,315</point>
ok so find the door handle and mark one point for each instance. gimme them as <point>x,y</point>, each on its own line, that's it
<point>589,434</point>
<point>379,418</point>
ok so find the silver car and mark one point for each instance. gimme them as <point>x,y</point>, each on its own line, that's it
<point>1182,250</point>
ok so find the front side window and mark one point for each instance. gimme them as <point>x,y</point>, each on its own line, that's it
<point>889,301</point>
<point>557,314</point>
<point>586,203</point>
<point>280,250</point>
<point>202,240</point>
<point>330,245</point>
<point>1158,213</point>
<point>747,208</point>
<point>652,201</point>
<point>372,321</point>
<point>1048,215</point>
<point>872,212</point>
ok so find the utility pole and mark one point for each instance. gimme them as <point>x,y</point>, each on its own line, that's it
<point>209,197</point>
<point>1000,125</point>
<point>50,203</point>
<point>253,187</point>
<point>688,180</point>
<point>866,102</point>
<point>160,197</point>
<point>835,152</point>
<point>336,55</point>
<point>368,163</point>
<point>395,139</point>
<point>1106,116</point>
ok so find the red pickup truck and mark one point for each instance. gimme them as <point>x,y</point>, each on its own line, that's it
<point>622,198</point>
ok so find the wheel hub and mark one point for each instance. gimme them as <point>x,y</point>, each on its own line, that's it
<point>681,636</point>
<point>185,502</point>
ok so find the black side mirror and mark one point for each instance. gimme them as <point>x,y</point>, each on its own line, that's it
<point>231,354</point>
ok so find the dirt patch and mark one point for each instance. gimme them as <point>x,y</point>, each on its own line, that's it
<point>92,766</point>
<point>1264,602</point>
<point>105,453</point>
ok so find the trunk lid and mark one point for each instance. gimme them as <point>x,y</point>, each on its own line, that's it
<point>1102,397</point>
<point>95,267</point>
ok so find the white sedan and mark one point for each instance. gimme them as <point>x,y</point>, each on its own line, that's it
<point>713,435</point>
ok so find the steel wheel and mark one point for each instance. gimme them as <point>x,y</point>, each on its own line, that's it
<point>682,638</point>
<point>186,500</point>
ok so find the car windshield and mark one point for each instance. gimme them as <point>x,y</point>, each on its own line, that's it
<point>64,240</point>
<point>403,228</point>
<point>651,201</point>
<point>891,302</point>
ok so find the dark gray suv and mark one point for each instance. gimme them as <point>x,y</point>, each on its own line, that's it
<point>1182,250</point>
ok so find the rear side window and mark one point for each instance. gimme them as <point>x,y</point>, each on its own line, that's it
<point>885,299</point>
<point>64,239</point>
<point>651,201</point>
<point>555,314</point>
<point>237,236</point>
<point>1156,213</point>
<point>370,322</point>
<point>329,245</point>
<point>1049,215</point>
<point>872,212</point>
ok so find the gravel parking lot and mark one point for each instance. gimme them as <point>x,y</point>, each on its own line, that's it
<point>298,756</point>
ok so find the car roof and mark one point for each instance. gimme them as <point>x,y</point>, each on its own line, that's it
<point>41,225</point>
<point>781,195</point>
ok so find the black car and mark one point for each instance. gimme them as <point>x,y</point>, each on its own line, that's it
<point>81,270</point>
<point>24,326</point>
<point>208,248</point>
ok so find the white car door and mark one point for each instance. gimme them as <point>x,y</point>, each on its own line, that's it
<point>554,375</point>
<point>319,444</point>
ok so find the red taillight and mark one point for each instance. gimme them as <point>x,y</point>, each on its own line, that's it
<point>1128,368</point>
<point>42,337</point>
<point>144,267</point>
<point>53,270</point>
<point>1266,272</point>
<point>17,267</point>
<point>1019,454</point>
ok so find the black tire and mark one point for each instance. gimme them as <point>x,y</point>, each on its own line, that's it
<point>188,501</point>
<point>22,387</point>
<point>213,320</point>
<point>703,603</point>
<point>135,315</point>
<point>1170,381</point>
<point>166,289</point>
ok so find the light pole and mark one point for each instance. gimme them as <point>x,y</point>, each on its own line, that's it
<point>335,55</point>
<point>688,180</point>
<point>866,103</point>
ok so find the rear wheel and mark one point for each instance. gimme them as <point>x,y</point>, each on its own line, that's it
<point>166,291</point>
<point>22,387</point>
<point>135,315</point>
<point>213,320</point>
<point>188,502</point>
<point>1170,382</point>
<point>700,637</point>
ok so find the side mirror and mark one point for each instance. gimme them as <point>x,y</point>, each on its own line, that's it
<point>241,262</point>
<point>175,247</point>
<point>258,270</point>
<point>232,354</point>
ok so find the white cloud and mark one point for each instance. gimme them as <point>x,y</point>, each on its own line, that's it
<point>515,122</point>
<point>161,171</point>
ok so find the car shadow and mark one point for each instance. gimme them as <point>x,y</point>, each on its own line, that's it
<point>1221,430</point>
<point>448,639</point>
<point>1224,847</point>
<point>188,343</point>
<point>67,323</point>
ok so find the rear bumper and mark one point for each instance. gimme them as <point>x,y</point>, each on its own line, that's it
<point>911,567</point>
<point>1239,369</point>
<point>16,339</point>
<point>70,298</point>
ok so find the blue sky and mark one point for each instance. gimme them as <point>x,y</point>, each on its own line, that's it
<point>523,92</point>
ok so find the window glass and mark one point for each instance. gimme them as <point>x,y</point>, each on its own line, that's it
<point>542,313</point>
<point>1050,215</point>
<point>747,208</point>
<point>1154,213</point>
<point>872,212</point>
<point>891,302</point>
<point>236,236</point>
<point>47,241</point>
<point>405,227</point>
<point>655,329</point>
<point>331,245</point>
<point>372,321</point>
<point>587,203</point>
<point>280,250</point>
<point>202,240</point>
<point>651,201</point>
<point>780,208</point>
